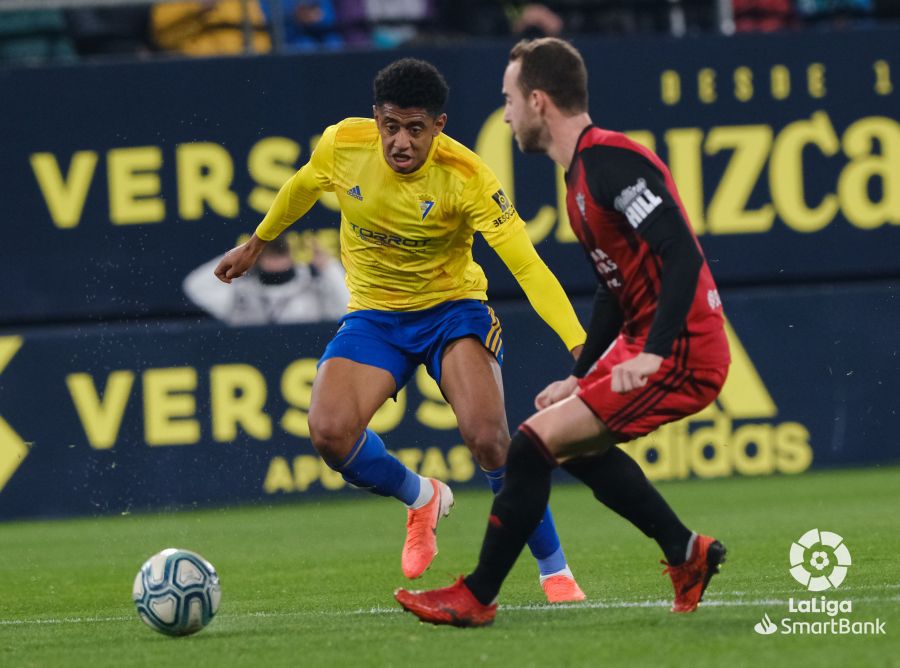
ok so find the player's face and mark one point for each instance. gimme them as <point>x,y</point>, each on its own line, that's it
<point>527,125</point>
<point>406,135</point>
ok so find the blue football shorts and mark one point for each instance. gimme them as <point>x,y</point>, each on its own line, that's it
<point>398,341</point>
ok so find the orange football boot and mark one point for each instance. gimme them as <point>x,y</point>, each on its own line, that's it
<point>420,547</point>
<point>561,588</point>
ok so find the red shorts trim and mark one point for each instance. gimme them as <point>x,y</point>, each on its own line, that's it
<point>672,393</point>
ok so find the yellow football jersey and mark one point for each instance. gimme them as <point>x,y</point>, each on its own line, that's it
<point>406,239</point>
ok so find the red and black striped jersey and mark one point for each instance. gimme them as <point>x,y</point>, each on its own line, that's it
<point>625,210</point>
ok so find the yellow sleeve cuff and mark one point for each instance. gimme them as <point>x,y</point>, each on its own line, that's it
<point>544,292</point>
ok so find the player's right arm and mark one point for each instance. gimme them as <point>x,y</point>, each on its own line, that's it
<point>205,291</point>
<point>606,320</point>
<point>293,200</point>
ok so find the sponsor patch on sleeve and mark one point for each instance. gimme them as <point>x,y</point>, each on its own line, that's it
<point>637,202</point>
<point>502,200</point>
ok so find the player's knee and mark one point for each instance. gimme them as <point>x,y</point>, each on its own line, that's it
<point>333,435</point>
<point>488,445</point>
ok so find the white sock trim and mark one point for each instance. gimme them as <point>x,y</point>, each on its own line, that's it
<point>565,571</point>
<point>426,491</point>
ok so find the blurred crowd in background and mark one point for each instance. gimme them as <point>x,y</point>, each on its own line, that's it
<point>85,30</point>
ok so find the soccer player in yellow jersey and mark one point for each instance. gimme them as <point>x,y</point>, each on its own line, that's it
<point>411,201</point>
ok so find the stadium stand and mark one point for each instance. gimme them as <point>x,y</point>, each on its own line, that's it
<point>44,31</point>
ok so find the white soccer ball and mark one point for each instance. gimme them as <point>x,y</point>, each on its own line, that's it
<point>176,592</point>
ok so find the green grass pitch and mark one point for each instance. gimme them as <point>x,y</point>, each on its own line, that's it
<point>310,584</point>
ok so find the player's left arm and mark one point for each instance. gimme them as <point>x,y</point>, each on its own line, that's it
<point>670,240</point>
<point>542,289</point>
<point>491,212</point>
<point>625,174</point>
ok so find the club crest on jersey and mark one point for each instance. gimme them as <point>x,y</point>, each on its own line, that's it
<point>355,192</point>
<point>426,204</point>
<point>637,202</point>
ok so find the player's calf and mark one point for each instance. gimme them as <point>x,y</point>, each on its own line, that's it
<point>371,467</point>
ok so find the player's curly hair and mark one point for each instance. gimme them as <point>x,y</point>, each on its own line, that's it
<point>411,83</point>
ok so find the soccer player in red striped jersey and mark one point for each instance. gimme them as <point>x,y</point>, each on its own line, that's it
<point>656,349</point>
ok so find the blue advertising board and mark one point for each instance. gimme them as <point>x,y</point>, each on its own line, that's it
<point>120,418</point>
<point>120,179</point>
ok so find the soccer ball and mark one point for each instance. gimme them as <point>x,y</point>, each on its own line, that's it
<point>176,592</point>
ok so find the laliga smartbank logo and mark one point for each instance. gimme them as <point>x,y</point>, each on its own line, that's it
<point>819,561</point>
<point>740,433</point>
<point>766,627</point>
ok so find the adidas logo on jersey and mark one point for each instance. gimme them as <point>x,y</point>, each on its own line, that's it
<point>355,192</point>
<point>637,202</point>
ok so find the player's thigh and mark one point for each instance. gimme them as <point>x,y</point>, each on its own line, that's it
<point>345,396</point>
<point>672,393</point>
<point>570,429</point>
<point>473,385</point>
